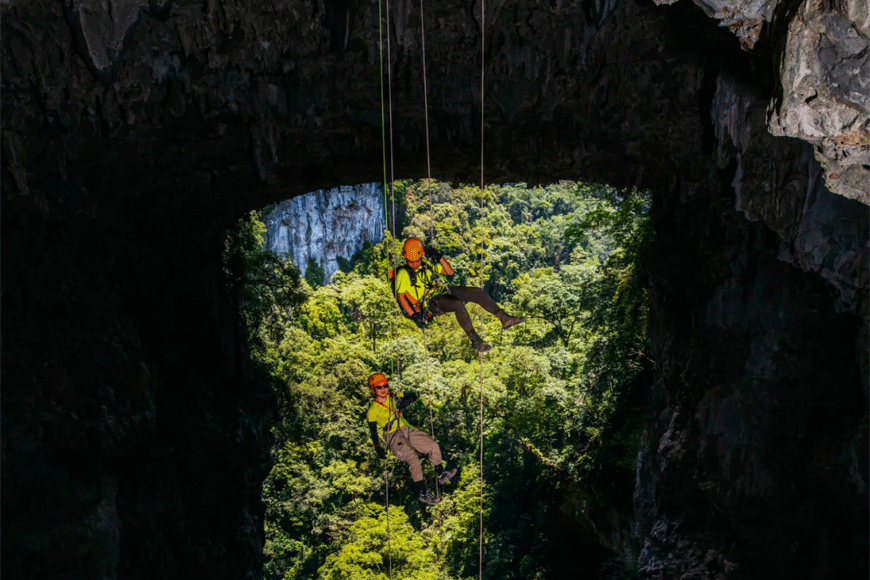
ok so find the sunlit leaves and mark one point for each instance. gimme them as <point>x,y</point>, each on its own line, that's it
<point>557,393</point>
<point>369,546</point>
<point>370,305</point>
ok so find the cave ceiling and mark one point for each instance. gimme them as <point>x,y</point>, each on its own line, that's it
<point>239,99</point>
<point>134,132</point>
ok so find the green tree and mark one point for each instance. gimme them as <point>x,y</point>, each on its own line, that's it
<point>370,304</point>
<point>314,273</point>
<point>558,394</point>
<point>264,287</point>
<point>373,541</point>
<point>562,298</point>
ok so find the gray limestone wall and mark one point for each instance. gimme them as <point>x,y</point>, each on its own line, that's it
<point>326,224</point>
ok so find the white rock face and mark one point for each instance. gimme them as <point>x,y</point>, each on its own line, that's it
<point>825,74</point>
<point>326,224</point>
<point>744,18</point>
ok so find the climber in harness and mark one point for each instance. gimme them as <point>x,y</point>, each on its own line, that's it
<point>423,292</point>
<point>405,441</point>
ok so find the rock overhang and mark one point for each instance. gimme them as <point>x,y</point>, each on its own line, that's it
<point>156,123</point>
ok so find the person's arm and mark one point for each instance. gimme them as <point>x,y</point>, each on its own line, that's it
<point>373,431</point>
<point>403,293</point>
<point>408,303</point>
<point>437,258</point>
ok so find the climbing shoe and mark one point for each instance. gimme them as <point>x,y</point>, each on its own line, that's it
<point>445,476</point>
<point>508,321</point>
<point>478,344</point>
<point>429,498</point>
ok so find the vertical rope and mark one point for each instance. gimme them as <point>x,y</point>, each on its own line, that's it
<point>392,253</point>
<point>432,433</point>
<point>392,249</point>
<point>389,534</point>
<point>480,539</point>
<point>432,242</point>
<point>431,221</point>
<point>383,121</point>
<point>426,116</point>
<point>390,109</point>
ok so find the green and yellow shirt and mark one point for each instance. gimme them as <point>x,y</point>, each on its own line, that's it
<point>385,413</point>
<point>427,275</point>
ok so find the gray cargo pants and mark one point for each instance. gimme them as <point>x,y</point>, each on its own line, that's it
<point>405,443</point>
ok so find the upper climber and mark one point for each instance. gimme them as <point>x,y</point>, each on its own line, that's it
<point>423,292</point>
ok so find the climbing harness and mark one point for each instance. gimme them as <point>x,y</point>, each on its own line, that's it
<point>395,415</point>
<point>436,285</point>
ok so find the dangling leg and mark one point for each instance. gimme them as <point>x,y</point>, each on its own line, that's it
<point>401,447</point>
<point>481,297</point>
<point>446,303</point>
<point>476,295</point>
<point>424,444</point>
<point>430,448</point>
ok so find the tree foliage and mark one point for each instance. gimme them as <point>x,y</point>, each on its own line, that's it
<point>560,394</point>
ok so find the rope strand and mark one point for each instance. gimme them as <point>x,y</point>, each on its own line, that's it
<point>432,242</point>
<point>392,250</point>
<point>389,535</point>
<point>482,78</point>
<point>392,253</point>
<point>390,108</point>
<point>426,117</point>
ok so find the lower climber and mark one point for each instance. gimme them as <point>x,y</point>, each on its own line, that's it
<point>422,293</point>
<point>405,441</point>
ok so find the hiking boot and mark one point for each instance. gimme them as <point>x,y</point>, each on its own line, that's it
<point>478,344</point>
<point>445,476</point>
<point>508,321</point>
<point>429,498</point>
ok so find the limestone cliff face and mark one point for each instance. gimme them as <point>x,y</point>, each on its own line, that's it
<point>824,70</point>
<point>134,432</point>
<point>326,224</point>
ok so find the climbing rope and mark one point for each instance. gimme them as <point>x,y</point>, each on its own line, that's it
<point>393,249</point>
<point>387,510</point>
<point>432,243</point>
<point>480,537</point>
<point>392,253</point>
<point>426,117</point>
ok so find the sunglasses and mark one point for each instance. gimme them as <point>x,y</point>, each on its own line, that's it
<point>382,387</point>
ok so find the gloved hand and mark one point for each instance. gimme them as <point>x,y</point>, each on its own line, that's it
<point>382,453</point>
<point>433,254</point>
<point>420,319</point>
<point>403,402</point>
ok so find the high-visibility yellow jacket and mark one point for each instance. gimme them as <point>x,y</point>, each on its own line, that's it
<point>387,414</point>
<point>413,292</point>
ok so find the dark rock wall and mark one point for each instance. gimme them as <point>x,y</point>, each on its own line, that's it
<point>135,436</point>
<point>756,463</point>
<point>133,440</point>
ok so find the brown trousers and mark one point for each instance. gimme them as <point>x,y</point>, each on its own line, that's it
<point>455,302</point>
<point>405,443</point>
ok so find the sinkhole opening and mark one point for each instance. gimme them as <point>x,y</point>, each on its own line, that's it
<point>543,429</point>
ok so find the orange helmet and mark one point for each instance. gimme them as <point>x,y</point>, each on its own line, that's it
<point>377,380</point>
<point>413,249</point>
